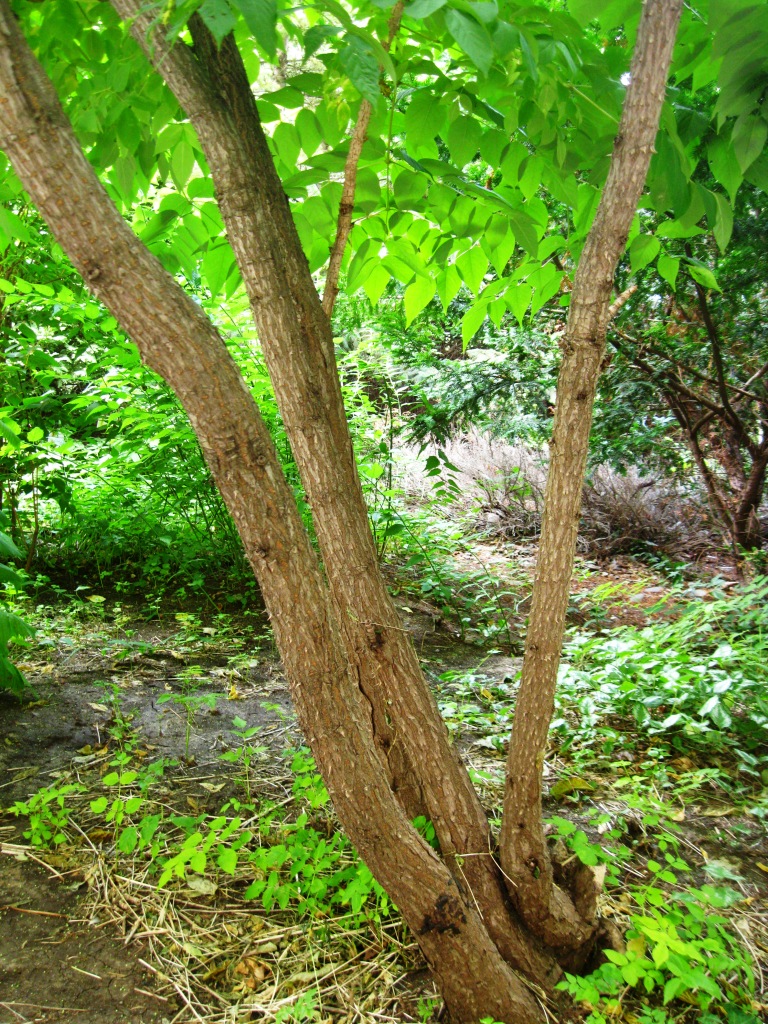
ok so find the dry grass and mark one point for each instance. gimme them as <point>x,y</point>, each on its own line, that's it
<point>500,487</point>
<point>220,960</point>
<point>226,963</point>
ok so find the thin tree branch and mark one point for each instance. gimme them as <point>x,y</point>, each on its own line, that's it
<point>757,376</point>
<point>717,355</point>
<point>347,205</point>
<point>619,301</point>
<point>657,350</point>
<point>344,225</point>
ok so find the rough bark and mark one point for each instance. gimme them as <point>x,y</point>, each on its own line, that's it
<point>179,342</point>
<point>544,906</point>
<point>426,772</point>
<point>355,679</point>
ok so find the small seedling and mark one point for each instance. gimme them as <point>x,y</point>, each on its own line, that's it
<point>192,702</point>
<point>245,753</point>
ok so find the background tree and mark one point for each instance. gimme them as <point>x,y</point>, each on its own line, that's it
<point>704,352</point>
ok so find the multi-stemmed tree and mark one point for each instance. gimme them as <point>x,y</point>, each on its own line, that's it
<point>95,137</point>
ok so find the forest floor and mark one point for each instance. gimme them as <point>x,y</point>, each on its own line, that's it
<point>170,745</point>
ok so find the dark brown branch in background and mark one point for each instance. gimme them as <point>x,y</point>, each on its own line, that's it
<point>344,225</point>
<point>681,365</point>
<point>733,418</point>
<point>654,373</point>
<point>713,431</point>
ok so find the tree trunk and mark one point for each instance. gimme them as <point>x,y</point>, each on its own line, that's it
<point>565,920</point>
<point>211,84</point>
<point>355,679</point>
<point>177,340</point>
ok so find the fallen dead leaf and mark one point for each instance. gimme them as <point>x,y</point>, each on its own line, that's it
<point>197,883</point>
<point>252,971</point>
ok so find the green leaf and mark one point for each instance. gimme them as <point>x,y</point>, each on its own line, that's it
<point>724,166</point>
<point>10,677</point>
<point>502,250</point>
<point>423,8</point>
<point>7,548</point>
<point>472,321</point>
<point>218,17</point>
<point>524,230</point>
<point>261,18</point>
<point>749,135</point>
<point>668,267</point>
<point>472,37</point>
<point>545,281</point>
<point>417,297</point>
<point>99,805</point>
<point>360,63</point>
<point>10,435</point>
<point>703,275</point>
<point>315,36</point>
<point>723,226</point>
<point>11,627</point>
<point>585,11</point>
<point>122,177</point>
<point>758,172</point>
<point>287,143</point>
<point>643,251</point>
<point>464,140</point>
<point>7,575</point>
<point>424,119</point>
<point>310,133</point>
<point>182,162</point>
<point>216,267</point>
<point>128,840</point>
<point>472,266</point>
<point>198,861</point>
<point>519,299</point>
<point>448,285</point>
<point>376,282</point>
<point>35,435</point>
<point>492,145</point>
<point>227,860</point>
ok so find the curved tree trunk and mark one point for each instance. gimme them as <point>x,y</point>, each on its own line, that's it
<point>355,679</point>
<point>565,920</point>
<point>178,341</point>
<point>211,84</point>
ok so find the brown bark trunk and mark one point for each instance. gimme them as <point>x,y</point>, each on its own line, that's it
<point>212,86</point>
<point>545,907</point>
<point>179,342</point>
<point>747,532</point>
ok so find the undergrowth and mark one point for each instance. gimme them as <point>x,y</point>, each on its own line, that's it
<point>696,682</point>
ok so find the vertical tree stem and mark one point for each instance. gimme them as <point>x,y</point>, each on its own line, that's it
<point>525,857</point>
